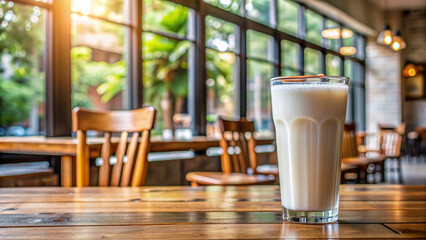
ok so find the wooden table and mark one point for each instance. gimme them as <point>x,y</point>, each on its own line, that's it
<point>66,148</point>
<point>366,211</point>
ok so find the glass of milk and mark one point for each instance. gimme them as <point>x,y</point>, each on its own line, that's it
<point>309,114</point>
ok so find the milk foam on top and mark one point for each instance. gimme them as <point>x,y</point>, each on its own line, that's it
<point>309,120</point>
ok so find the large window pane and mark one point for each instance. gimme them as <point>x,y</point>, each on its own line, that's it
<point>355,71</point>
<point>259,45</point>
<point>349,71</point>
<point>233,6</point>
<point>313,26</point>
<point>222,97</point>
<point>22,78</point>
<point>360,46</point>
<point>259,10</point>
<point>332,43</point>
<point>313,61</point>
<point>288,16</point>
<point>349,42</point>
<point>165,77</point>
<point>332,65</point>
<point>220,35</point>
<point>258,95</point>
<point>164,16</point>
<point>290,58</point>
<point>113,10</point>
<point>98,69</point>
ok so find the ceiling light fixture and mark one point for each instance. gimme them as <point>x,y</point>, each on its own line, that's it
<point>398,42</point>
<point>386,35</point>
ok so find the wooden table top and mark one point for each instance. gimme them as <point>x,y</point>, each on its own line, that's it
<point>67,145</point>
<point>366,211</point>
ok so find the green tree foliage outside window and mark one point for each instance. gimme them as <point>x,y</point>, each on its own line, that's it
<point>288,16</point>
<point>332,63</point>
<point>259,10</point>
<point>313,61</point>
<point>313,27</point>
<point>233,6</point>
<point>165,64</point>
<point>221,73</point>
<point>21,70</point>
<point>290,53</point>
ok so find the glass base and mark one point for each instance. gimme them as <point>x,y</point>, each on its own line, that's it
<point>293,216</point>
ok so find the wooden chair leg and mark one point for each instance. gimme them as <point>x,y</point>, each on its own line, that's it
<point>399,162</point>
<point>194,184</point>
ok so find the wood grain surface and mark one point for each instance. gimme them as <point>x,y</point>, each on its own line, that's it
<point>253,212</point>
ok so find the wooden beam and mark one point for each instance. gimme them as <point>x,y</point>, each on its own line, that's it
<point>58,70</point>
<point>134,79</point>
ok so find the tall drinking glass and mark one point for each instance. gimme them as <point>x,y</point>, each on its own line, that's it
<point>309,114</point>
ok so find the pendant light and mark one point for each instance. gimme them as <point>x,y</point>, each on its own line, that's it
<point>398,42</point>
<point>410,70</point>
<point>385,36</point>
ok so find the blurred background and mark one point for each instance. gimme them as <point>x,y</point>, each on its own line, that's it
<point>197,60</point>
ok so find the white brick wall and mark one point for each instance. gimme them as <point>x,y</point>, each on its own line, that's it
<point>383,86</point>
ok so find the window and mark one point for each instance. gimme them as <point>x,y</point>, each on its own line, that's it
<point>259,11</point>
<point>332,43</point>
<point>118,62</point>
<point>313,27</point>
<point>233,6</point>
<point>356,99</point>
<point>350,41</point>
<point>313,61</point>
<point>113,10</point>
<point>98,54</point>
<point>260,69</point>
<point>166,64</point>
<point>165,17</point>
<point>290,58</point>
<point>288,17</point>
<point>22,78</point>
<point>332,63</point>
<point>360,46</point>
<point>221,63</point>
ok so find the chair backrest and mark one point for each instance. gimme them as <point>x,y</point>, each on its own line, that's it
<point>422,133</point>
<point>349,143</point>
<point>237,136</point>
<point>372,142</point>
<point>131,165</point>
<point>400,128</point>
<point>390,142</point>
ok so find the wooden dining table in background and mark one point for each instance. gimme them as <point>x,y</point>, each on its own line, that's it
<point>366,211</point>
<point>65,147</point>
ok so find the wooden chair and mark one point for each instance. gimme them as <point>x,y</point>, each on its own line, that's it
<point>391,142</point>
<point>350,155</point>
<point>400,128</point>
<point>123,173</point>
<point>237,138</point>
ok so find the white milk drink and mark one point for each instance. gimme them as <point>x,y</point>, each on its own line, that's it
<point>309,118</point>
